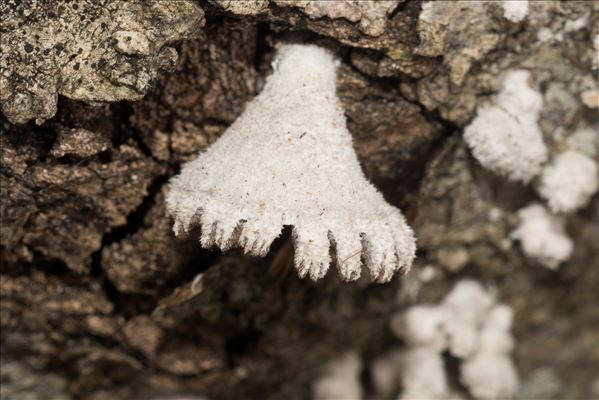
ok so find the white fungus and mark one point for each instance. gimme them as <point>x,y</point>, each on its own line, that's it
<point>340,379</point>
<point>421,364</point>
<point>505,137</point>
<point>467,305</point>
<point>490,373</point>
<point>542,236</point>
<point>288,160</point>
<point>472,327</point>
<point>422,325</point>
<point>423,374</point>
<point>569,181</point>
<point>515,10</point>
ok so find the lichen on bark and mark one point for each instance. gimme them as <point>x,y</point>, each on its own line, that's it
<point>92,51</point>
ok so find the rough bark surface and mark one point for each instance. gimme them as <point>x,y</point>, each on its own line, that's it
<point>100,301</point>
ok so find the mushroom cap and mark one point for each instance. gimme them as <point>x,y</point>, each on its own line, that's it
<point>289,160</point>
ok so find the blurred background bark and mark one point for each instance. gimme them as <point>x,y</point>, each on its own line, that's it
<point>100,301</point>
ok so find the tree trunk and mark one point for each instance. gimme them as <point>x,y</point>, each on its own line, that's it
<point>101,301</point>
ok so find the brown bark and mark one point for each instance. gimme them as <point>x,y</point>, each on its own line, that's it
<point>100,301</point>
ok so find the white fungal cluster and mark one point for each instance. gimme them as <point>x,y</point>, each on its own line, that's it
<point>489,373</point>
<point>423,375</point>
<point>471,326</point>
<point>288,160</point>
<point>515,10</point>
<point>543,236</point>
<point>569,181</point>
<point>420,368</point>
<point>340,379</point>
<point>505,137</point>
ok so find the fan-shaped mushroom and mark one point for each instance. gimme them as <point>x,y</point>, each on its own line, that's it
<point>288,160</point>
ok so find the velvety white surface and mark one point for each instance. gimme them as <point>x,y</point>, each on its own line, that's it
<point>515,10</point>
<point>543,236</point>
<point>472,327</point>
<point>569,181</point>
<point>505,137</point>
<point>288,160</point>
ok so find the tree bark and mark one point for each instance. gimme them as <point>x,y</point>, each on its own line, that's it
<point>101,301</point>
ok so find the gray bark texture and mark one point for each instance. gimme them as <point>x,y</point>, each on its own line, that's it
<point>103,100</point>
